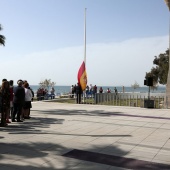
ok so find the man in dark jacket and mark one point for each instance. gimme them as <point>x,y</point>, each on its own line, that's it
<point>18,101</point>
<point>78,93</point>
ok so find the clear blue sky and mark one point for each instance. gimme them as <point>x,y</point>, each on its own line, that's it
<point>45,39</point>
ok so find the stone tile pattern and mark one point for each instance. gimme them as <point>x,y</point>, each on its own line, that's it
<point>56,129</point>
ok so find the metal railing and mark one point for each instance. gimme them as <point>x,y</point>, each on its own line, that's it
<point>155,100</point>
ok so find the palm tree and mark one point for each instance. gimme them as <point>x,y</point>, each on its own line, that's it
<point>2,38</point>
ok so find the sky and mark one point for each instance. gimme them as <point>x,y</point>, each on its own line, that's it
<point>45,40</point>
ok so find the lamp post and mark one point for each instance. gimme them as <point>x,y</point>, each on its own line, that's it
<point>167,97</point>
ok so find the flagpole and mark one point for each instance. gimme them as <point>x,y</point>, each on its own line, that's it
<point>85,36</point>
<point>167,96</point>
<point>167,104</point>
<point>84,46</point>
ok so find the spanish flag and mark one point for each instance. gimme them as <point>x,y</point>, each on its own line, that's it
<point>82,76</point>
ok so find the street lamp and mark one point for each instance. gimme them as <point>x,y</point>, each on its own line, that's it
<point>167,98</point>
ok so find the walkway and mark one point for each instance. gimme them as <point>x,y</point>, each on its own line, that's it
<point>80,137</point>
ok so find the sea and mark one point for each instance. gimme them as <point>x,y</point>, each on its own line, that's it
<point>61,90</point>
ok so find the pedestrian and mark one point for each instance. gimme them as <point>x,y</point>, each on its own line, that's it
<point>78,93</point>
<point>27,104</point>
<point>5,103</point>
<point>52,91</point>
<point>32,94</point>
<point>94,90</point>
<point>101,90</point>
<point>11,90</point>
<point>72,91</point>
<point>87,91</point>
<point>18,101</point>
<point>115,89</point>
<point>116,92</point>
<point>108,90</point>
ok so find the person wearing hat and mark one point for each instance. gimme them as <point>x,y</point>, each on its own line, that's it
<point>18,101</point>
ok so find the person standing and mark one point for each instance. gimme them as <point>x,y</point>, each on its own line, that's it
<point>116,93</point>
<point>72,91</point>
<point>5,94</point>
<point>94,90</point>
<point>11,89</point>
<point>115,89</point>
<point>32,94</point>
<point>52,91</point>
<point>27,104</point>
<point>78,93</point>
<point>87,91</point>
<point>108,90</point>
<point>18,101</point>
<point>101,90</point>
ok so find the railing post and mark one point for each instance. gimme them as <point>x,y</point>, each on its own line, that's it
<point>116,100</point>
<point>100,97</point>
<point>129,99</point>
<point>75,97</point>
<point>126,100</point>
<point>109,98</point>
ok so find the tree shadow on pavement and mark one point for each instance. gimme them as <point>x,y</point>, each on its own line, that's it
<point>77,112</point>
<point>32,126</point>
<point>42,156</point>
<point>41,144</point>
<point>33,151</point>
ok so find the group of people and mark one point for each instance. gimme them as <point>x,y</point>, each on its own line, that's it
<point>77,91</point>
<point>15,102</point>
<point>89,91</point>
<point>42,93</point>
<point>115,90</point>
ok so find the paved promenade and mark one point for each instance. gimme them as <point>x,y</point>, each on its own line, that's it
<point>81,137</point>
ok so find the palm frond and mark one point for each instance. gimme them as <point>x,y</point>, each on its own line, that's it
<point>2,40</point>
<point>0,27</point>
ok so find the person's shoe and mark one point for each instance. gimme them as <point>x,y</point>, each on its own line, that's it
<point>19,121</point>
<point>13,120</point>
<point>7,121</point>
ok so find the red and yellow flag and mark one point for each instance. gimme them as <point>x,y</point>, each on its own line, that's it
<point>82,76</point>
